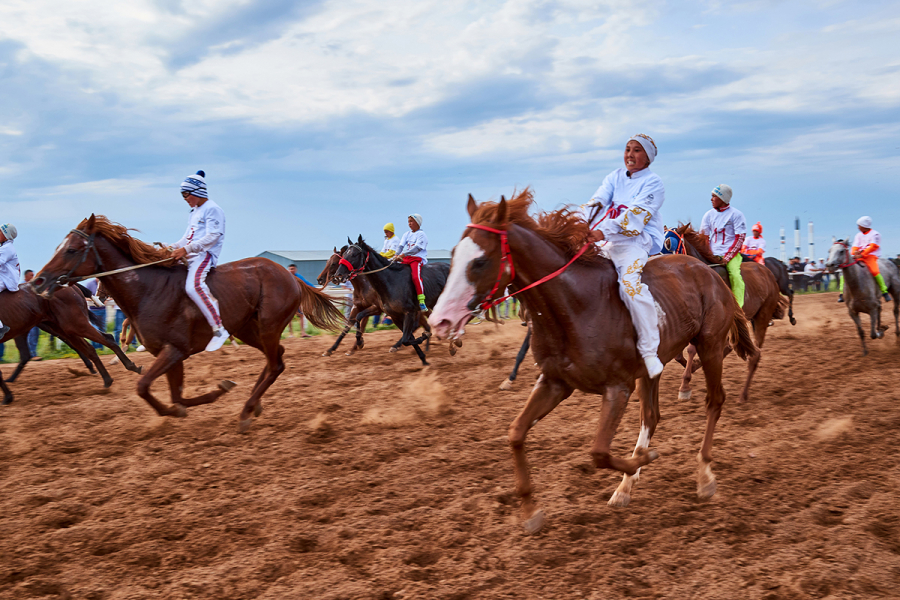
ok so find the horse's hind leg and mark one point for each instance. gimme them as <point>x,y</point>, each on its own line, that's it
<point>859,330</point>
<point>24,356</point>
<point>648,392</point>
<point>684,392</point>
<point>712,357</point>
<point>338,341</point>
<point>86,350</point>
<point>753,362</point>
<point>175,376</point>
<point>7,393</point>
<point>545,396</point>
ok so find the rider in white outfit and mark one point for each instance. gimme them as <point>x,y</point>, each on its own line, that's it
<point>201,245</point>
<point>625,211</point>
<point>9,264</point>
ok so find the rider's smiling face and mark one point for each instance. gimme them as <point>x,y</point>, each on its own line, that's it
<point>636,158</point>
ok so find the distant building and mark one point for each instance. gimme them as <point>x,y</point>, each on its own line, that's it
<point>311,262</point>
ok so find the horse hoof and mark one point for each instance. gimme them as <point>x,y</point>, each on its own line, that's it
<point>506,385</point>
<point>326,353</point>
<point>257,410</point>
<point>452,350</point>
<point>226,386</point>
<point>178,410</point>
<point>793,321</point>
<point>706,490</point>
<point>392,350</point>
<point>535,523</point>
<point>107,382</point>
<point>7,400</point>
<point>684,395</point>
<point>244,425</point>
<point>360,345</point>
<point>619,499</point>
<point>138,369</point>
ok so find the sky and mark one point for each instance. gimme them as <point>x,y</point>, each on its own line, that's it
<point>317,120</point>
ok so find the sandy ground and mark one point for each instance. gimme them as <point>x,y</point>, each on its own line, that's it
<point>369,477</point>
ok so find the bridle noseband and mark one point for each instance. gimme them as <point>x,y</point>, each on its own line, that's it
<point>354,271</point>
<point>65,279</point>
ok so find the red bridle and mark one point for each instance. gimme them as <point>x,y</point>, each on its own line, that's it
<point>506,257</point>
<point>854,261</point>
<point>353,270</point>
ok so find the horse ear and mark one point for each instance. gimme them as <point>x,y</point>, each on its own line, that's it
<point>335,249</point>
<point>471,206</point>
<point>360,240</point>
<point>91,222</point>
<point>501,211</point>
<point>349,241</point>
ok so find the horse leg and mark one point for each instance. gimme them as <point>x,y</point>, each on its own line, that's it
<point>712,357</point>
<point>508,384</point>
<point>546,395</point>
<point>753,362</point>
<point>24,356</point>
<point>859,330</point>
<point>7,394</point>
<point>684,392</point>
<point>648,392</point>
<point>875,321</point>
<point>86,330</point>
<point>410,323</point>
<point>175,376</point>
<point>423,323</point>
<point>615,399</point>
<point>86,350</point>
<point>165,360</point>
<point>791,308</point>
<point>338,341</point>
<point>274,352</point>
<point>362,318</point>
<point>454,344</point>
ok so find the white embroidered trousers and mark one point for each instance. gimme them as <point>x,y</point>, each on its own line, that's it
<point>629,260</point>
<point>196,288</point>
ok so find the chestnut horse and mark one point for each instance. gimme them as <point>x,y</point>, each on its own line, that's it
<point>583,337</point>
<point>762,302</point>
<point>65,316</point>
<point>257,299</point>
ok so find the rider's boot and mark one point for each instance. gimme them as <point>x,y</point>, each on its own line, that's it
<point>421,298</point>
<point>840,297</point>
<point>220,336</point>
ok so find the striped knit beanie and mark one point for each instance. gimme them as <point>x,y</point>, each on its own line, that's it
<point>195,184</point>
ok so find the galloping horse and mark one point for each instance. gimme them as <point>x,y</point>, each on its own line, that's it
<point>366,303</point>
<point>394,286</point>
<point>762,302</point>
<point>257,299</point>
<point>65,316</point>
<point>861,293</point>
<point>583,334</point>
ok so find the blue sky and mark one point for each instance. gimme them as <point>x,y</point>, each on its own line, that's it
<point>322,119</point>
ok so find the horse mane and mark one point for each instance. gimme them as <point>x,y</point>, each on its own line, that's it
<point>140,252</point>
<point>700,241</point>
<point>564,228</point>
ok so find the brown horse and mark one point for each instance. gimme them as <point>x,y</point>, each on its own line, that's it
<point>65,316</point>
<point>583,335</point>
<point>762,303</point>
<point>257,298</point>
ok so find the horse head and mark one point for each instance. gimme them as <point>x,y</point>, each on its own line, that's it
<point>331,266</point>
<point>838,256</point>
<point>75,256</point>
<point>353,260</point>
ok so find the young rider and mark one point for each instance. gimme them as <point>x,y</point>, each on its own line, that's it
<point>625,211</point>
<point>9,264</point>
<point>414,252</point>
<point>391,242</point>
<point>755,247</point>
<point>201,245</point>
<point>867,249</point>
<point>726,228</point>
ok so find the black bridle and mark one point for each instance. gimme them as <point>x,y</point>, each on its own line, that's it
<point>67,278</point>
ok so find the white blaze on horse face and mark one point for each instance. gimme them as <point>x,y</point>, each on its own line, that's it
<point>834,255</point>
<point>451,311</point>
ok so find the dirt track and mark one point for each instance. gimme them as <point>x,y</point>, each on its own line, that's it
<point>367,477</point>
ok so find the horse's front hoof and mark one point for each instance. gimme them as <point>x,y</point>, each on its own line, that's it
<point>107,382</point>
<point>326,353</point>
<point>793,321</point>
<point>244,425</point>
<point>685,395</point>
<point>706,490</point>
<point>535,523</point>
<point>393,349</point>
<point>7,400</point>
<point>506,385</point>
<point>178,410</point>
<point>226,385</point>
<point>452,350</point>
<point>257,410</point>
<point>619,499</point>
<point>137,369</point>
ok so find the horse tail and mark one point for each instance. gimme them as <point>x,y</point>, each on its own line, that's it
<point>783,303</point>
<point>319,308</point>
<point>739,335</point>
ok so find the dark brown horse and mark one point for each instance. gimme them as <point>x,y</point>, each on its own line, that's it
<point>65,316</point>
<point>583,334</point>
<point>256,297</point>
<point>762,302</point>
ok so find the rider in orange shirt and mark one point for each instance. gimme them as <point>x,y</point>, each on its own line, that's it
<point>755,247</point>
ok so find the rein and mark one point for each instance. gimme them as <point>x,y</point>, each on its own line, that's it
<point>852,262</point>
<point>67,278</point>
<point>356,271</point>
<point>506,257</point>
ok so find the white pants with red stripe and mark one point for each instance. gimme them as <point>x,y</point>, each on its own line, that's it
<point>196,288</point>
<point>629,260</point>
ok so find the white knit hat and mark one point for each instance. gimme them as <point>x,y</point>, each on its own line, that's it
<point>865,222</point>
<point>723,193</point>
<point>9,231</point>
<point>646,143</point>
<point>417,218</point>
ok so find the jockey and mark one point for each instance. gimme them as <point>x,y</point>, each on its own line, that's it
<point>414,252</point>
<point>867,249</point>
<point>391,242</point>
<point>755,247</point>
<point>9,264</point>
<point>726,228</point>
<point>201,245</point>
<point>625,211</point>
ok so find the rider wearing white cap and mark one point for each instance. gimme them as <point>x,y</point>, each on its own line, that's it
<point>867,249</point>
<point>625,211</point>
<point>726,228</point>
<point>9,264</point>
<point>414,252</point>
<point>391,242</point>
<point>201,245</point>
<point>755,247</point>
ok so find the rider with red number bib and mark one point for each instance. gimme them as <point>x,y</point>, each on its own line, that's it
<point>755,247</point>
<point>625,212</point>
<point>414,252</point>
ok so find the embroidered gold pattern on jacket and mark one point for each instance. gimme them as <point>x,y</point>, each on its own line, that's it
<point>636,211</point>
